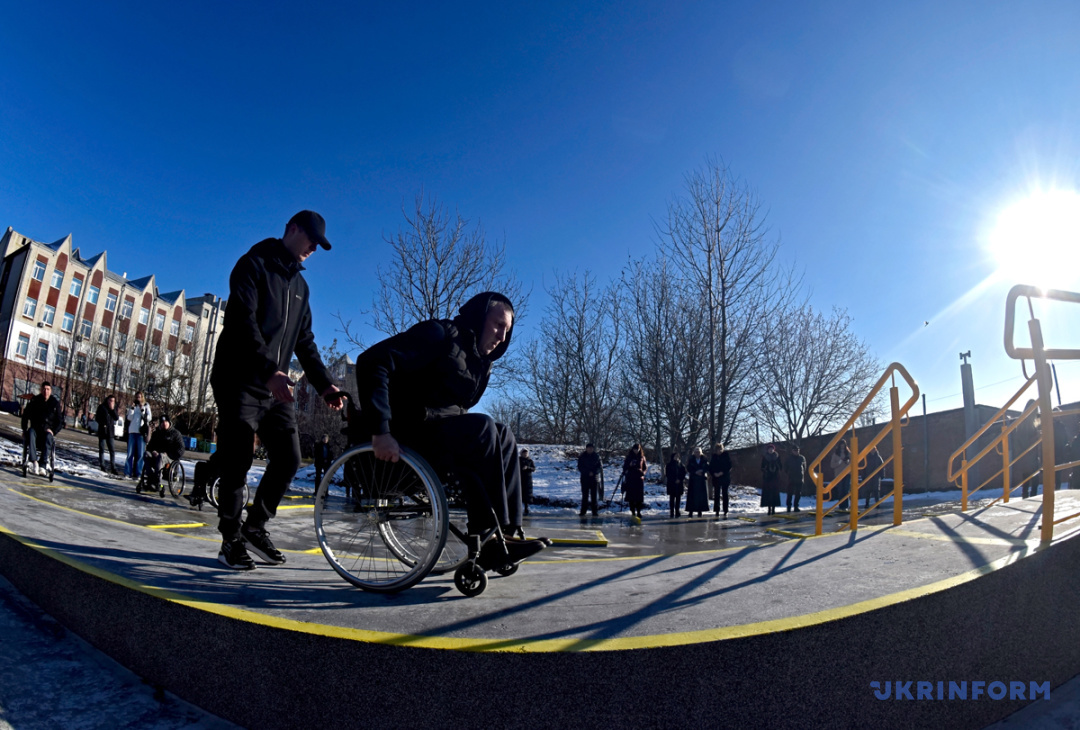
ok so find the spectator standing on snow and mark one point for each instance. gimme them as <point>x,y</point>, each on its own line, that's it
<point>634,466</point>
<point>839,460</point>
<point>138,431</point>
<point>697,494</point>
<point>589,466</point>
<point>720,473</point>
<point>676,479</point>
<point>795,465</point>
<point>324,457</point>
<point>873,483</point>
<point>770,479</point>
<point>527,466</point>
<point>106,417</point>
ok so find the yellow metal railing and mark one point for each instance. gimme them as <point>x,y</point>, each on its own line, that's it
<point>858,456</point>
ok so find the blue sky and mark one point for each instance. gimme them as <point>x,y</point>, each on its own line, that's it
<point>884,140</point>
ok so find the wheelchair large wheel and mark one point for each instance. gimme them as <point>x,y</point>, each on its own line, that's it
<point>212,493</point>
<point>389,531</point>
<point>177,479</point>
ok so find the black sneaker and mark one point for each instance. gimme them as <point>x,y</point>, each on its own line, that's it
<point>258,542</point>
<point>492,555</point>
<point>234,555</point>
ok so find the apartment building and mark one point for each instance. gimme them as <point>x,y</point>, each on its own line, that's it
<point>69,319</point>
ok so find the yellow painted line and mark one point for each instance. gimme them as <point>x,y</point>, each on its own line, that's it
<point>786,516</point>
<point>531,645</point>
<point>178,526</point>
<point>295,506</point>
<point>964,540</point>
<point>786,533</point>
<point>600,540</point>
<point>746,519</point>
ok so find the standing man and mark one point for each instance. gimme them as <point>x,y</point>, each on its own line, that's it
<point>138,431</point>
<point>267,320</point>
<point>795,466</point>
<point>42,419</point>
<point>527,467</point>
<point>106,417</point>
<point>588,464</point>
<point>324,457</point>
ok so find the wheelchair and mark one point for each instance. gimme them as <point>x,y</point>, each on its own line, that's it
<point>51,468</point>
<point>385,526</point>
<point>175,479</point>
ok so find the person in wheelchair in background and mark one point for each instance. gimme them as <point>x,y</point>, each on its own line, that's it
<point>421,383</point>
<point>166,441</point>
<point>42,419</point>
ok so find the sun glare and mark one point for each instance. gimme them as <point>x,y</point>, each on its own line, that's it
<point>1037,240</point>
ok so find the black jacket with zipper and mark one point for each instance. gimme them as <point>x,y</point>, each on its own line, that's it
<point>267,319</point>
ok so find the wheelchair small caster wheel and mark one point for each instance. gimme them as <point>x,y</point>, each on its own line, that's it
<point>470,580</point>
<point>507,570</point>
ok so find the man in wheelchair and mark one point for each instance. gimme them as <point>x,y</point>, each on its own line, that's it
<point>421,383</point>
<point>166,441</point>
<point>42,419</point>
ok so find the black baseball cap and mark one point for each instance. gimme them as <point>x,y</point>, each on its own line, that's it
<point>313,225</point>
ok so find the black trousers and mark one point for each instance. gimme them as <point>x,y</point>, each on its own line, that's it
<point>38,441</point>
<point>674,503</point>
<point>101,444</point>
<point>794,491</point>
<point>241,417</point>
<point>720,495</point>
<point>589,489</point>
<point>483,455</point>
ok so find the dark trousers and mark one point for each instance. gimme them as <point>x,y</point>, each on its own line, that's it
<point>872,491</point>
<point>720,495</point>
<point>674,503</point>
<point>589,489</point>
<point>103,442</point>
<point>241,417</point>
<point>794,491</point>
<point>35,441</point>
<point>483,456</point>
<point>320,470</point>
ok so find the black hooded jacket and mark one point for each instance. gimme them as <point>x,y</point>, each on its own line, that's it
<point>432,370</point>
<point>267,319</point>
<point>43,414</point>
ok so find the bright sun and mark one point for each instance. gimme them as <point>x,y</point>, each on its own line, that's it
<point>1037,240</point>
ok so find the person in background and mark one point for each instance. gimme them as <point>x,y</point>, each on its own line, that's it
<point>720,472</point>
<point>839,460</point>
<point>770,479</point>
<point>795,465</point>
<point>138,431</point>
<point>42,419</point>
<point>106,418</point>
<point>589,466</point>
<point>634,466</point>
<point>324,457</point>
<point>873,483</point>
<point>676,480</point>
<point>166,441</point>
<point>527,467</point>
<point>697,494</point>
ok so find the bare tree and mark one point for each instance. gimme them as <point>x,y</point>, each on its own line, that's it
<point>815,372</point>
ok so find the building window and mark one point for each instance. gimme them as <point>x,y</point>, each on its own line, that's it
<point>29,308</point>
<point>174,327</point>
<point>118,376</point>
<point>206,314</point>
<point>103,336</point>
<point>155,351</point>
<point>127,308</point>
<point>61,358</point>
<point>92,294</point>
<point>121,341</point>
<point>23,345</point>
<point>144,315</point>
<point>42,353</point>
<point>48,315</point>
<point>85,328</point>
<point>110,301</point>
<point>133,379</point>
<point>68,322</point>
<point>151,385</point>
<point>189,333</point>
<point>159,321</point>
<point>76,286</point>
<point>39,271</point>
<point>99,369</point>
<point>80,365</point>
<point>57,278</point>
<point>169,357</point>
<point>138,348</point>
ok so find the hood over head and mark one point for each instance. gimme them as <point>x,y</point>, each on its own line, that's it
<point>472,314</point>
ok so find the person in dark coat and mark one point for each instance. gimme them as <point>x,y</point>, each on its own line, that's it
<point>697,494</point>
<point>42,419</point>
<point>873,483</point>
<point>839,461</point>
<point>106,417</point>
<point>267,322</point>
<point>591,471</point>
<point>795,466</point>
<point>324,457</point>
<point>165,441</point>
<point>424,381</point>
<point>634,466</point>
<point>720,473</point>
<point>676,480</point>
<point>770,479</point>
<point>1025,467</point>
<point>527,467</point>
